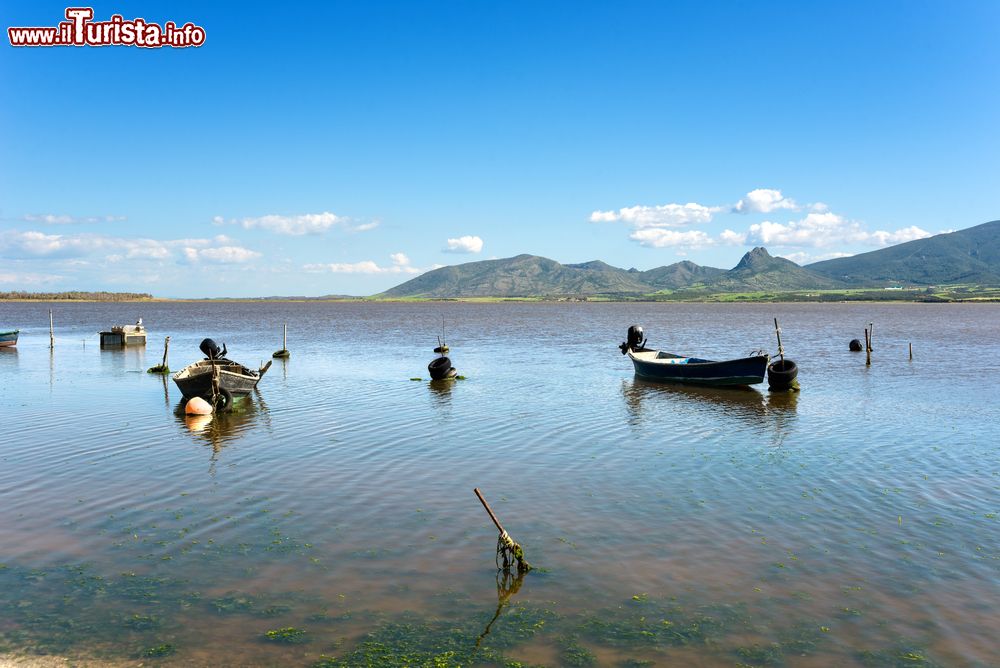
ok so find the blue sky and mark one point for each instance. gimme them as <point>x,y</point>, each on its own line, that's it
<point>344,147</point>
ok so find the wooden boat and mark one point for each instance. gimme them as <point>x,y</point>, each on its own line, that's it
<point>8,339</point>
<point>661,366</point>
<point>195,380</point>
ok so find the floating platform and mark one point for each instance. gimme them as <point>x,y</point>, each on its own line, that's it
<point>124,335</point>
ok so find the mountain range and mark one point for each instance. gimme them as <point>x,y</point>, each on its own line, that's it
<point>967,256</point>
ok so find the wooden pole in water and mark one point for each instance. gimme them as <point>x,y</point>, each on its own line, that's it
<point>868,348</point>
<point>781,351</point>
<point>490,511</point>
<point>166,346</point>
<point>284,336</point>
<point>911,351</point>
<point>52,336</point>
<point>510,543</point>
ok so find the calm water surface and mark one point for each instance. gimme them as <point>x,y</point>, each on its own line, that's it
<point>855,522</point>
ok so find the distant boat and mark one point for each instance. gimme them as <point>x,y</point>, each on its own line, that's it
<point>668,367</point>
<point>195,380</point>
<point>8,339</point>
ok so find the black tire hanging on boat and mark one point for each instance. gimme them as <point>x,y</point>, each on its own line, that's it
<point>855,346</point>
<point>781,374</point>
<point>222,402</point>
<point>438,368</point>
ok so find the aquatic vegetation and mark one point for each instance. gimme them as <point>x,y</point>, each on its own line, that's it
<point>165,649</point>
<point>287,634</point>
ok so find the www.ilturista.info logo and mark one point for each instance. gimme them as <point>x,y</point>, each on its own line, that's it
<point>81,30</point>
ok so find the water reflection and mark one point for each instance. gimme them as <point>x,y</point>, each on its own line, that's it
<point>508,584</point>
<point>645,399</point>
<point>220,429</point>
<point>441,392</point>
<point>9,358</point>
<point>123,358</point>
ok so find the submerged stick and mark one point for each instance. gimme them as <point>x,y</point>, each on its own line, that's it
<point>911,351</point>
<point>868,348</point>
<point>505,543</point>
<point>52,336</point>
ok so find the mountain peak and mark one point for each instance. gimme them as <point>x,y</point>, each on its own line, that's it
<point>755,258</point>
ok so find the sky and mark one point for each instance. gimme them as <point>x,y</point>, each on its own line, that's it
<point>345,147</point>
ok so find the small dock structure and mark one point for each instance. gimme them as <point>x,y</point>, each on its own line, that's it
<point>124,335</point>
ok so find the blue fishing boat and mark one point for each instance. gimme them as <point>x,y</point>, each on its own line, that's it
<point>671,368</point>
<point>8,339</point>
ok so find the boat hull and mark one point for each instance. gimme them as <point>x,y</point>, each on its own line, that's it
<point>195,380</point>
<point>8,339</point>
<point>676,369</point>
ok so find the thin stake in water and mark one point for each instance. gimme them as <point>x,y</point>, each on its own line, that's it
<point>508,551</point>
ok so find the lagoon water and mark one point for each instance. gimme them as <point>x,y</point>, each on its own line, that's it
<point>854,523</point>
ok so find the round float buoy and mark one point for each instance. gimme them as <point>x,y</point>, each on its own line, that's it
<point>781,374</point>
<point>440,367</point>
<point>855,346</point>
<point>198,406</point>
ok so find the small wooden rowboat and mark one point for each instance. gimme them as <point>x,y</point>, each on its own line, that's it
<point>668,367</point>
<point>8,339</point>
<point>195,380</point>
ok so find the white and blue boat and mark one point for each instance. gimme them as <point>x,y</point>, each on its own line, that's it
<point>666,367</point>
<point>8,339</point>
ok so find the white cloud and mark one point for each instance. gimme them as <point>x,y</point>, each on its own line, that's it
<point>660,238</point>
<point>364,227</point>
<point>307,223</point>
<point>603,217</point>
<point>802,258</point>
<point>899,236</point>
<point>664,215</point>
<point>32,245</point>
<point>221,255</point>
<point>400,265</point>
<point>764,200</point>
<point>731,238</point>
<point>821,230</point>
<point>466,244</point>
<point>28,279</point>
<point>62,219</point>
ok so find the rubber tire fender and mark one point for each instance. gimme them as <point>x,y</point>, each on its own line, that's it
<point>438,368</point>
<point>223,402</point>
<point>780,374</point>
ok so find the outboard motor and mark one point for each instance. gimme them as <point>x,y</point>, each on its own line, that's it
<point>636,340</point>
<point>212,350</point>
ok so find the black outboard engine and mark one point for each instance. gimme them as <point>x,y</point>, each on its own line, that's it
<point>212,350</point>
<point>636,340</point>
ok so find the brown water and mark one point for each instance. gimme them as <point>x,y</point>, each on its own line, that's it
<point>855,522</point>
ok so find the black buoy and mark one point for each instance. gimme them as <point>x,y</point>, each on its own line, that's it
<point>781,374</point>
<point>855,346</point>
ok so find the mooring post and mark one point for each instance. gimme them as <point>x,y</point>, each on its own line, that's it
<point>868,348</point>
<point>166,346</point>
<point>911,351</point>
<point>52,336</point>
<point>284,336</point>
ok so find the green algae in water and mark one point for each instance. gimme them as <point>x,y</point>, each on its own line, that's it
<point>166,649</point>
<point>288,634</point>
